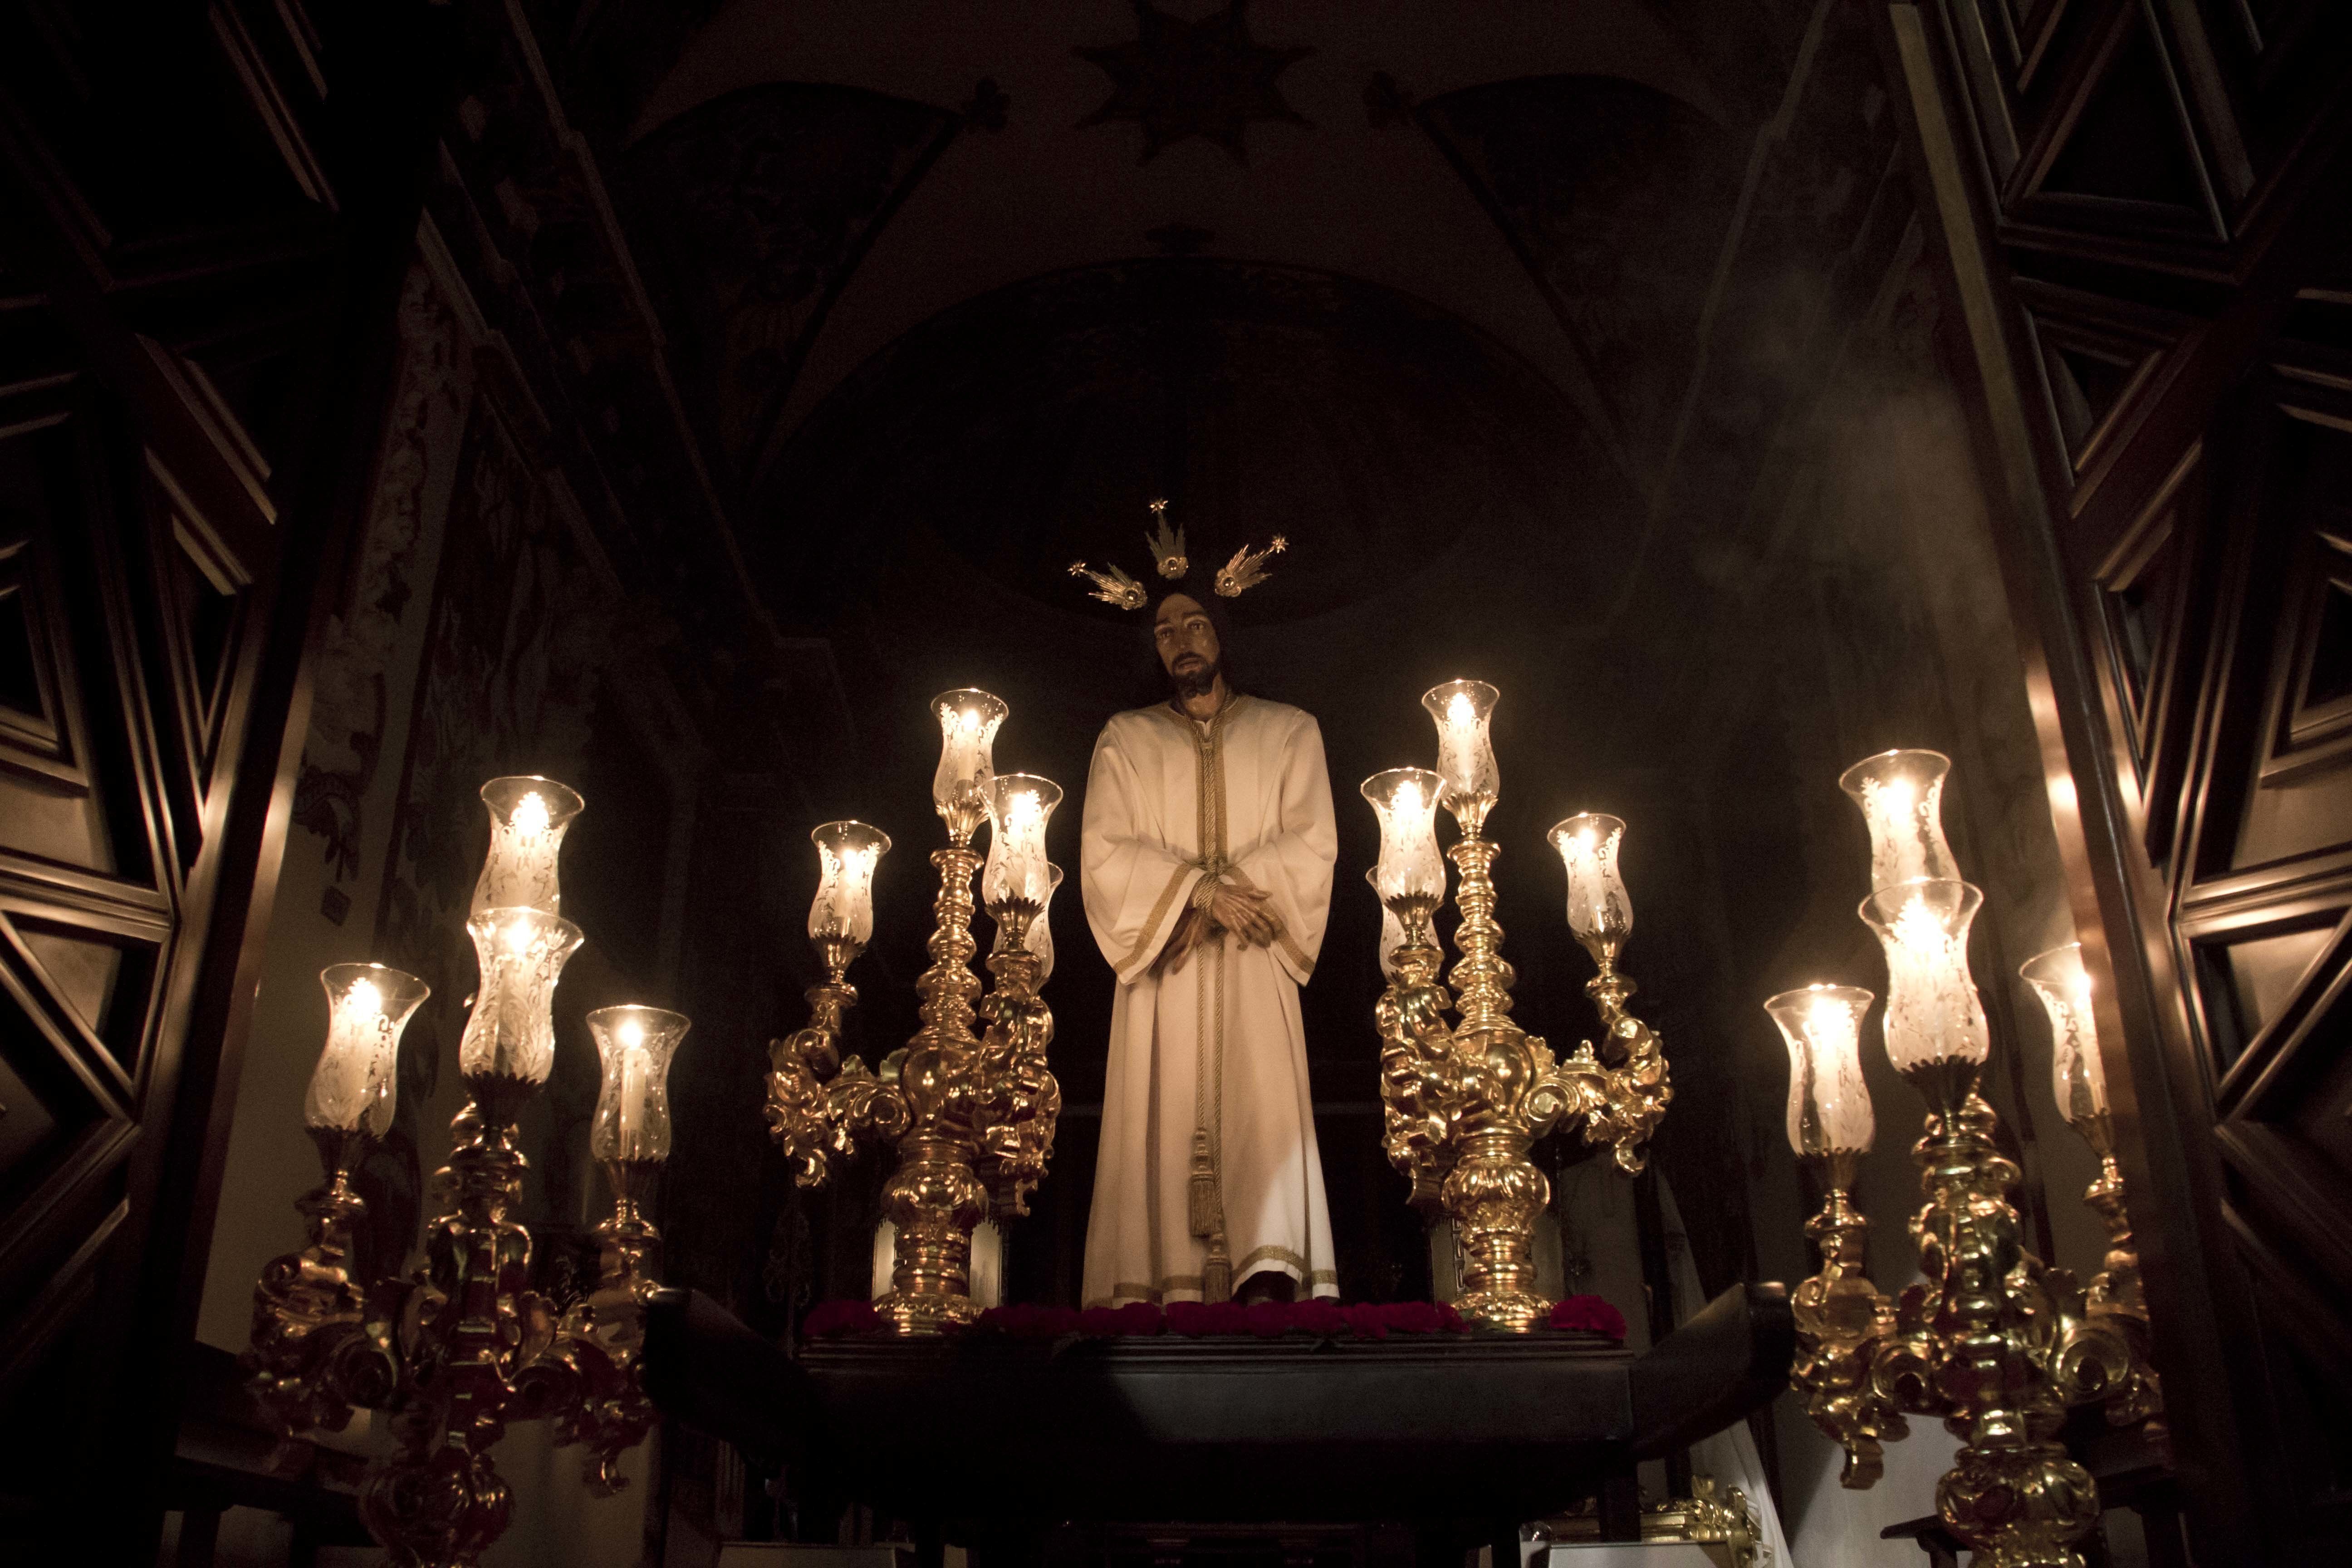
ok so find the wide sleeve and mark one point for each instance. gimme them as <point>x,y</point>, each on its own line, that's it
<point>1136,887</point>
<point>1293,863</point>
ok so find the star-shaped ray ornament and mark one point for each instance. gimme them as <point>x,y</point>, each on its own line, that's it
<point>1181,79</point>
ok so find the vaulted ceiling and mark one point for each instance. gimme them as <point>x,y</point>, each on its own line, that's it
<point>807,182</point>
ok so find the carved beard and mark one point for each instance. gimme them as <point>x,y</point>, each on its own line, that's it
<point>1196,682</point>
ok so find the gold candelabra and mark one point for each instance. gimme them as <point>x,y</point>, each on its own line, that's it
<point>464,1345</point>
<point>972,1116</point>
<point>1993,1341</point>
<point>1463,1103</point>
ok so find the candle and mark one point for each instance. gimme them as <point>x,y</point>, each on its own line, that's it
<point>1599,910</point>
<point>968,725</point>
<point>511,1033</point>
<point>1040,938</point>
<point>1392,930</point>
<point>1901,795</point>
<point>1411,873</point>
<point>527,819</point>
<point>1933,1013</point>
<point>1466,753</point>
<point>847,853</point>
<point>635,1046</point>
<point>1828,1108</point>
<point>352,1088</point>
<point>1017,873</point>
<point>2078,1079</point>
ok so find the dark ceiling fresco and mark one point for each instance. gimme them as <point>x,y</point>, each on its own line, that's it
<point>1207,78</point>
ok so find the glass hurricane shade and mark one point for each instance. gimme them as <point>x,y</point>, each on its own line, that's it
<point>1933,1011</point>
<point>1040,938</point>
<point>1901,798</point>
<point>352,1088</point>
<point>1466,753</point>
<point>511,1033</point>
<point>528,819</point>
<point>1828,1108</point>
<point>1410,869</point>
<point>635,1045</point>
<point>2078,1080</point>
<point>847,855</point>
<point>968,725</point>
<point>1019,806</point>
<point>1391,929</point>
<point>1599,910</point>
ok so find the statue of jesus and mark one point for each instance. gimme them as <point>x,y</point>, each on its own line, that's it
<point>1206,866</point>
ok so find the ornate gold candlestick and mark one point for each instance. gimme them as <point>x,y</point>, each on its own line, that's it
<point>464,1346</point>
<point>1465,1103</point>
<point>1993,1341</point>
<point>1840,1315</point>
<point>973,1117</point>
<point>2115,1301</point>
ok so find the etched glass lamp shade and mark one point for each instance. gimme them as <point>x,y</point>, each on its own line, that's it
<point>1017,875</point>
<point>1039,938</point>
<point>2078,1080</point>
<point>1391,929</point>
<point>1599,909</point>
<point>635,1046</point>
<point>351,1089</point>
<point>1934,1015</point>
<point>511,1034</point>
<point>841,920</point>
<point>1466,753</point>
<point>1410,875</point>
<point>969,720</point>
<point>527,819</point>
<point>1828,1108</point>
<point>1901,798</point>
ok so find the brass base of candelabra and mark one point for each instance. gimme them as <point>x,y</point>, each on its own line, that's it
<point>936,1202</point>
<point>1493,1195</point>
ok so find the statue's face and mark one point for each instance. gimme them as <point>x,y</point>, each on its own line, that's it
<point>1187,642</point>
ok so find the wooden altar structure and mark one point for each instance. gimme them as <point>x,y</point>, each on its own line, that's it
<point>989,1441</point>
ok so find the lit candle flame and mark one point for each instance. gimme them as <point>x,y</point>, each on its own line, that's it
<point>1022,813</point>
<point>1407,797</point>
<point>1917,929</point>
<point>517,937</point>
<point>631,1034</point>
<point>530,814</point>
<point>364,1000</point>
<point>1460,710</point>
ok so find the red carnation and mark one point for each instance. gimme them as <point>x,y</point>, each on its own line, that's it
<point>1319,1317</point>
<point>834,1320</point>
<point>1194,1319</point>
<point>1591,1314</point>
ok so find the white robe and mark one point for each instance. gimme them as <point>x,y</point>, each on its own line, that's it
<point>1216,1042</point>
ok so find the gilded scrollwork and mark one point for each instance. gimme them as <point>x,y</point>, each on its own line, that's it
<point>1463,1103</point>
<point>972,1116</point>
<point>1992,1340</point>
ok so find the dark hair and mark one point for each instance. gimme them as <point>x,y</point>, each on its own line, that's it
<point>1156,685</point>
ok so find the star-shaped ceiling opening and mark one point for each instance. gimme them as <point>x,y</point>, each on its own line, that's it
<point>1181,79</point>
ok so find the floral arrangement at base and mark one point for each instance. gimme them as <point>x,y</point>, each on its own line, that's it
<point>1200,1320</point>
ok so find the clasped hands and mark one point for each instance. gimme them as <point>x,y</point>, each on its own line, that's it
<point>1248,913</point>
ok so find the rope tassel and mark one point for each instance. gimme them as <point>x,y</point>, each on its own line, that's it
<point>1203,1192</point>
